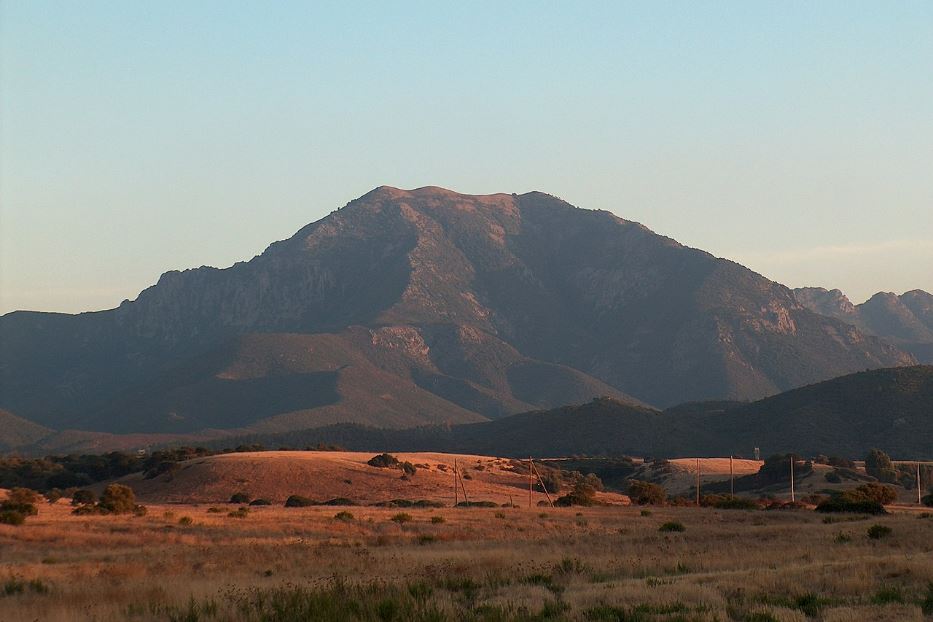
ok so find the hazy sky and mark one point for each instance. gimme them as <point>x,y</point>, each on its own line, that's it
<point>139,137</point>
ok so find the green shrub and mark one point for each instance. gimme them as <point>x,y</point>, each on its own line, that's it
<point>185,521</point>
<point>873,492</point>
<point>646,512</point>
<point>401,517</point>
<point>928,500</point>
<point>477,504</point>
<point>242,512</point>
<point>646,493</point>
<point>20,503</point>
<point>344,516</point>
<point>879,465</point>
<point>845,503</point>
<point>582,494</point>
<point>876,532</point>
<point>11,517</point>
<point>384,461</point>
<point>673,526</point>
<point>239,498</point>
<point>833,477</point>
<point>260,502</point>
<point>117,499</point>
<point>297,501</point>
<point>83,497</point>
<point>437,520</point>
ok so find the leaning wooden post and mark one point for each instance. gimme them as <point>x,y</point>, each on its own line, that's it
<point>456,491</point>
<point>698,482</point>
<point>466,499</point>
<point>530,482</point>
<point>543,487</point>
<point>792,498</point>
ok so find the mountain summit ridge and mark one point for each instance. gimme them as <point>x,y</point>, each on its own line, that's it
<point>492,304</point>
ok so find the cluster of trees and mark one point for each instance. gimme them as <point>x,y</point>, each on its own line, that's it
<point>77,471</point>
<point>20,503</point>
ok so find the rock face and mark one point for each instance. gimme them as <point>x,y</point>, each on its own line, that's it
<point>905,320</point>
<point>427,306</point>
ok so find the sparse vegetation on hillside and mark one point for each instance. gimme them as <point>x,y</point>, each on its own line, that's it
<point>19,504</point>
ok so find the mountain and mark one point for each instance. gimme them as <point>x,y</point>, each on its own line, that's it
<point>422,307</point>
<point>905,320</point>
<point>846,416</point>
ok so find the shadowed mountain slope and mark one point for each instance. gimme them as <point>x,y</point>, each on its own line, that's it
<point>442,307</point>
<point>847,416</point>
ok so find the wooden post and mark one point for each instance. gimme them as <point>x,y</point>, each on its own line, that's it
<point>456,490</point>
<point>698,482</point>
<point>919,487</point>
<point>531,481</point>
<point>792,498</point>
<point>731,478</point>
<point>543,487</point>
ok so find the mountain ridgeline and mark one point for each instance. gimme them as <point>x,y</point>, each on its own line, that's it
<point>905,320</point>
<point>424,307</point>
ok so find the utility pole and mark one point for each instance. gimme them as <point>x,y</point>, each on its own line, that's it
<point>731,478</point>
<point>792,499</point>
<point>698,482</point>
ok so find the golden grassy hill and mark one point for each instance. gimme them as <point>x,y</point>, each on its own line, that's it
<point>325,475</point>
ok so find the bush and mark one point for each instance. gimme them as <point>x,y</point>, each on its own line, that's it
<point>185,521</point>
<point>928,500</point>
<point>117,499</point>
<point>344,516</point>
<point>876,532</point>
<point>552,478</point>
<point>646,493</point>
<point>297,501</point>
<point>260,502</point>
<point>437,520</point>
<point>479,504</point>
<point>833,477</point>
<point>401,517</point>
<point>20,501</point>
<point>873,492</point>
<point>842,503</point>
<point>582,494</point>
<point>724,502</point>
<point>239,513</point>
<point>878,464</point>
<point>53,495</point>
<point>339,501</point>
<point>672,526</point>
<point>11,517</point>
<point>83,497</point>
<point>239,498</point>
<point>383,461</point>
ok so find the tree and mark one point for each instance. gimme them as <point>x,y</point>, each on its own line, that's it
<point>878,464</point>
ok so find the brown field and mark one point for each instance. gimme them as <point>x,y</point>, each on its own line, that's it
<point>191,561</point>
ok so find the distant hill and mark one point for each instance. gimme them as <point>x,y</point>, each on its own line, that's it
<point>905,320</point>
<point>425,307</point>
<point>886,408</point>
<point>17,432</point>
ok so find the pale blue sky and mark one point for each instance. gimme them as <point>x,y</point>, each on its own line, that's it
<point>135,138</point>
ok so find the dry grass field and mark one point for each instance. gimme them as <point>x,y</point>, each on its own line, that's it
<point>189,562</point>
